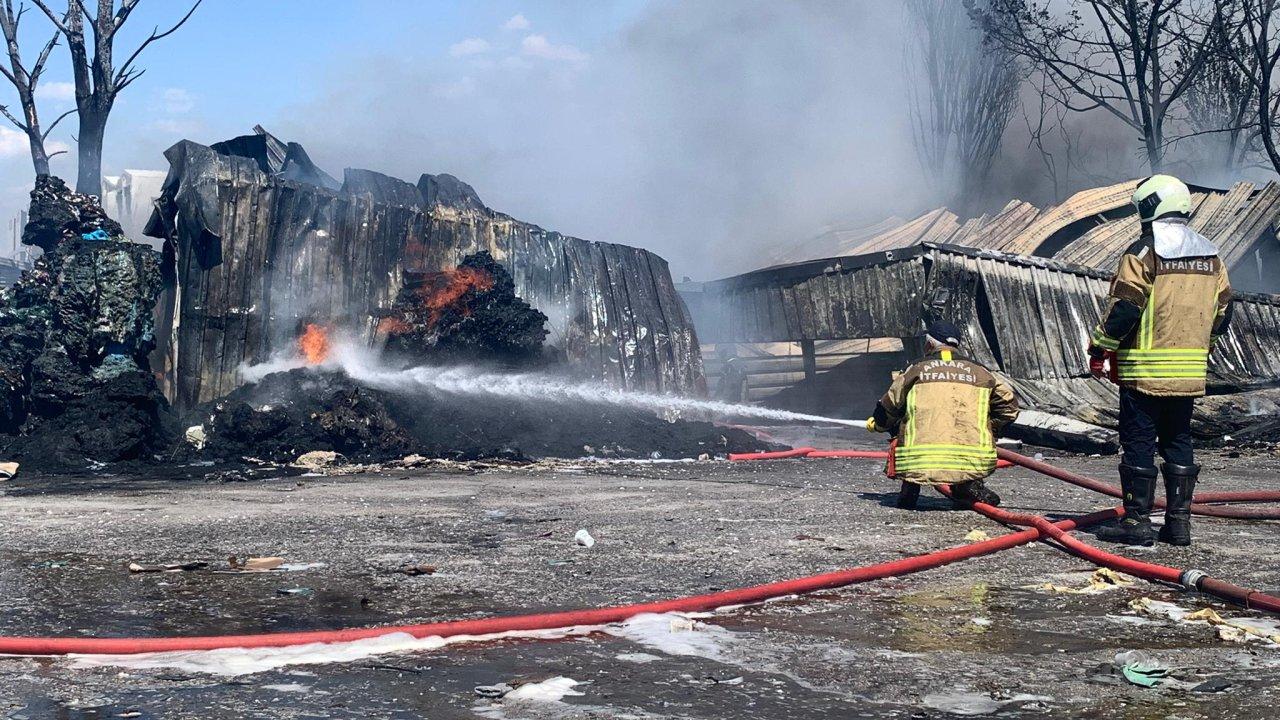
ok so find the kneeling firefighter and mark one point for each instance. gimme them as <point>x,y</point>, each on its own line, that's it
<point>946,412</point>
<point>1169,300</point>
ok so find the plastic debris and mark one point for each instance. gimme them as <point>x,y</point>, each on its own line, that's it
<point>1140,668</point>
<point>493,691</point>
<point>583,538</point>
<point>255,564</point>
<point>1102,580</point>
<point>195,436</point>
<point>1229,629</point>
<point>8,470</point>
<point>415,569</point>
<point>976,535</point>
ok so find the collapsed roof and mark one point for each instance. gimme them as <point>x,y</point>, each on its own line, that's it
<point>1091,228</point>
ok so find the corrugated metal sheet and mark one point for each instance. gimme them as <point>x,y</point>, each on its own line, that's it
<point>1028,317</point>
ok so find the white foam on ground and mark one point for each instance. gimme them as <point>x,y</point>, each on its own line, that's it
<point>230,662</point>
<point>549,690</point>
<point>670,633</point>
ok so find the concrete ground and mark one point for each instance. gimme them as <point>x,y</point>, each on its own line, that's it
<point>972,638</point>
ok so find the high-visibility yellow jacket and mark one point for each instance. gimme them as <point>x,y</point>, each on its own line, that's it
<point>948,411</point>
<point>1170,298</point>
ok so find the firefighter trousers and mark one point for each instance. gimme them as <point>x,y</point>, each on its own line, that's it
<point>1149,423</point>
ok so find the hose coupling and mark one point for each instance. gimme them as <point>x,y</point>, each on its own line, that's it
<point>1190,579</point>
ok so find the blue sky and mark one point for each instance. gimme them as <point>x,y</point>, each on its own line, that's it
<point>706,131</point>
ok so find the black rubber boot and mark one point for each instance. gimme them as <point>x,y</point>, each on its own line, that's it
<point>1139,485</point>
<point>908,494</point>
<point>1179,486</point>
<point>964,494</point>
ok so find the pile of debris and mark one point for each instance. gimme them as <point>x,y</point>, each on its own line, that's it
<point>470,314</point>
<point>75,333</point>
<point>467,314</point>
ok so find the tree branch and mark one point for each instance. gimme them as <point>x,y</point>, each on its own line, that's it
<point>123,76</point>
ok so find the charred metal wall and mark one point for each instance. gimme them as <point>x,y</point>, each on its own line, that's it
<point>254,254</point>
<point>1029,317</point>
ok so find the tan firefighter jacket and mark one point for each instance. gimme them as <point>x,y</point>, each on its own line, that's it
<point>1170,298</point>
<point>948,411</point>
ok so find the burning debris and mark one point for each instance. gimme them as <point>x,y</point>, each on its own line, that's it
<point>470,313</point>
<point>75,333</point>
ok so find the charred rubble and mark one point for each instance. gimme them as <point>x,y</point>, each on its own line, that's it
<point>75,334</point>
<point>470,314</point>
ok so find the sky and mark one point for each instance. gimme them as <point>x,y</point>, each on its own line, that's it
<point>709,132</point>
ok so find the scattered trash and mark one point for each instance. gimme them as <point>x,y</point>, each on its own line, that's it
<point>413,570</point>
<point>803,536</point>
<point>1140,668</point>
<point>8,470</point>
<point>167,567</point>
<point>301,591</point>
<point>255,564</point>
<point>976,535</point>
<point>1213,685</point>
<point>1229,629</point>
<point>317,459</point>
<point>495,514</point>
<point>583,538</point>
<point>493,691</point>
<point>1102,580</point>
<point>981,622</point>
<point>195,436</point>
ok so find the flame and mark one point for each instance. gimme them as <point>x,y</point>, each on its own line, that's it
<point>314,344</point>
<point>449,287</point>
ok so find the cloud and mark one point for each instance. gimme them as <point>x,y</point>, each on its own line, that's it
<point>517,22</point>
<point>56,91</point>
<point>539,46</point>
<point>177,101</point>
<point>13,143</point>
<point>470,46</point>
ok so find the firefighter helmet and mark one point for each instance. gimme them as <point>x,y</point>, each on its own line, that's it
<point>1161,195</point>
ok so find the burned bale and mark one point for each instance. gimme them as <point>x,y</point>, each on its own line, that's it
<point>470,313</point>
<point>75,333</point>
<point>291,413</point>
<point>304,409</point>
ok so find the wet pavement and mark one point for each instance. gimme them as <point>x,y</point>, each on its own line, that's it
<point>975,638</point>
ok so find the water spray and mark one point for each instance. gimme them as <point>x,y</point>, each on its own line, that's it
<point>365,367</point>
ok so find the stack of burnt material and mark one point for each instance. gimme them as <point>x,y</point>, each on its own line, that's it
<point>262,241</point>
<point>75,334</point>
<point>468,314</point>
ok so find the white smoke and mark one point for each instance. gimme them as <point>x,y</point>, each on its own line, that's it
<point>367,368</point>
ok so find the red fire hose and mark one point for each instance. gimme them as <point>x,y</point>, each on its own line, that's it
<point>1038,528</point>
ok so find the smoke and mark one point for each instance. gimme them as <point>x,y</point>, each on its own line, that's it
<point>707,132</point>
<point>367,368</point>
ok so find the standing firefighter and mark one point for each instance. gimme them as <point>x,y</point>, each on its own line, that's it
<point>1168,302</point>
<point>946,412</point>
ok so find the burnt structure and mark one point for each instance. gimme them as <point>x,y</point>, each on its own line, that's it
<point>261,241</point>
<point>1027,317</point>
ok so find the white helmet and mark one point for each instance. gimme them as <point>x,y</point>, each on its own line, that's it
<point>1161,195</point>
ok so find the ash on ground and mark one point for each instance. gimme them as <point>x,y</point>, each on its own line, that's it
<point>75,332</point>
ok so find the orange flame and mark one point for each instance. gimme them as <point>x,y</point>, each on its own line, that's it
<point>314,344</point>
<point>450,287</point>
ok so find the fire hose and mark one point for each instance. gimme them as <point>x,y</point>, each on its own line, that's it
<point>1038,528</point>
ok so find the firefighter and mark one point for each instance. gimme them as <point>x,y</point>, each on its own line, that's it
<point>1170,299</point>
<point>946,411</point>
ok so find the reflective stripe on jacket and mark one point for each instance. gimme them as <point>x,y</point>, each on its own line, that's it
<point>948,411</point>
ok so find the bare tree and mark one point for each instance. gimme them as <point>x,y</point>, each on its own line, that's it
<point>25,80</point>
<point>1219,100</point>
<point>967,96</point>
<point>1260,35</point>
<point>1119,56</point>
<point>98,81</point>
